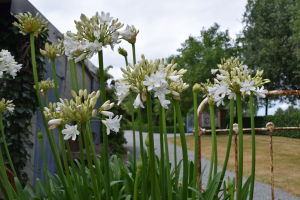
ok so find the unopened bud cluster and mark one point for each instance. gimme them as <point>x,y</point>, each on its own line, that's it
<point>122,51</point>
<point>6,105</point>
<point>28,24</point>
<point>132,38</point>
<point>151,76</point>
<point>46,85</point>
<point>53,51</point>
<point>80,110</point>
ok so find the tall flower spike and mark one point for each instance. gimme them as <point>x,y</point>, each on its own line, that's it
<point>28,24</point>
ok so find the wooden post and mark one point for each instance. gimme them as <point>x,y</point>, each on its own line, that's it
<point>270,127</point>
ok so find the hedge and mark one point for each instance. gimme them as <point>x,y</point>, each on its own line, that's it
<point>170,129</point>
<point>278,120</point>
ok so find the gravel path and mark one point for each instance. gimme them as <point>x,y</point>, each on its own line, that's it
<point>262,191</point>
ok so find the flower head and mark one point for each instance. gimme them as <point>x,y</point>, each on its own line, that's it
<point>8,64</point>
<point>28,24</point>
<point>6,105</point>
<point>137,102</point>
<point>105,18</point>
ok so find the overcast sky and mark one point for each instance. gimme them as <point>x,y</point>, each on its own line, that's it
<point>163,25</point>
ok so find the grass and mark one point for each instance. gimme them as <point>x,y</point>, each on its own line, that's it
<point>286,158</point>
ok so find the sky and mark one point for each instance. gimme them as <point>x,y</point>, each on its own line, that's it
<point>163,25</point>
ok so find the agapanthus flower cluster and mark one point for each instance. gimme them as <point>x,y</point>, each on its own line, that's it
<point>133,33</point>
<point>53,51</point>
<point>81,110</point>
<point>234,78</point>
<point>6,105</point>
<point>8,64</point>
<point>28,24</point>
<point>46,86</point>
<point>93,34</point>
<point>151,77</point>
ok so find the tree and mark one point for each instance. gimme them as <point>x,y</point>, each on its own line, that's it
<point>267,42</point>
<point>199,55</point>
<point>289,111</point>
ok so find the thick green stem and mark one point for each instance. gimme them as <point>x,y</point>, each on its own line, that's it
<point>83,77</point>
<point>213,130</point>
<point>88,155</point>
<point>6,148</point>
<point>72,73</point>
<point>241,146</point>
<point>196,144</point>
<point>78,189</point>
<point>151,148</point>
<point>175,147</point>
<point>144,175</point>
<point>136,184</point>
<point>133,53</point>
<point>55,80</point>
<point>184,150</point>
<point>37,88</point>
<point>5,178</point>
<point>162,157</point>
<point>229,142</point>
<point>63,152</point>
<point>167,154</point>
<point>105,137</point>
<point>214,158</point>
<point>100,178</point>
<point>76,78</point>
<point>82,161</point>
<point>133,131</point>
<point>253,148</point>
<point>45,164</point>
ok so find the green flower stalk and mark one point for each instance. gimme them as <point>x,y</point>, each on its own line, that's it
<point>6,105</point>
<point>175,147</point>
<point>229,142</point>
<point>34,26</point>
<point>253,148</point>
<point>214,157</point>
<point>5,178</point>
<point>55,80</point>
<point>72,74</point>
<point>76,78</point>
<point>184,150</point>
<point>83,74</point>
<point>139,168</point>
<point>196,89</point>
<point>167,154</point>
<point>40,136</point>
<point>241,145</point>
<point>162,152</point>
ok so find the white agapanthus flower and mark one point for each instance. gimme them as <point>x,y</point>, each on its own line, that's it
<point>213,71</point>
<point>70,131</point>
<point>122,91</point>
<point>105,18</point>
<point>232,95</point>
<point>107,113</point>
<point>222,89</point>
<point>164,103</point>
<point>138,102</point>
<point>151,82</point>
<point>219,101</point>
<point>247,87</point>
<point>121,96</point>
<point>211,90</point>
<point>161,90</point>
<point>112,124</point>
<point>125,33</point>
<point>10,109</point>
<point>54,122</point>
<point>8,64</point>
<point>175,78</point>
<point>260,93</point>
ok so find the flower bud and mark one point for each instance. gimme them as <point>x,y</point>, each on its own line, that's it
<point>147,142</point>
<point>196,88</point>
<point>140,164</point>
<point>40,134</point>
<point>73,93</point>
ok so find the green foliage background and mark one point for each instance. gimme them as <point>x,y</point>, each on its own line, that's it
<point>21,91</point>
